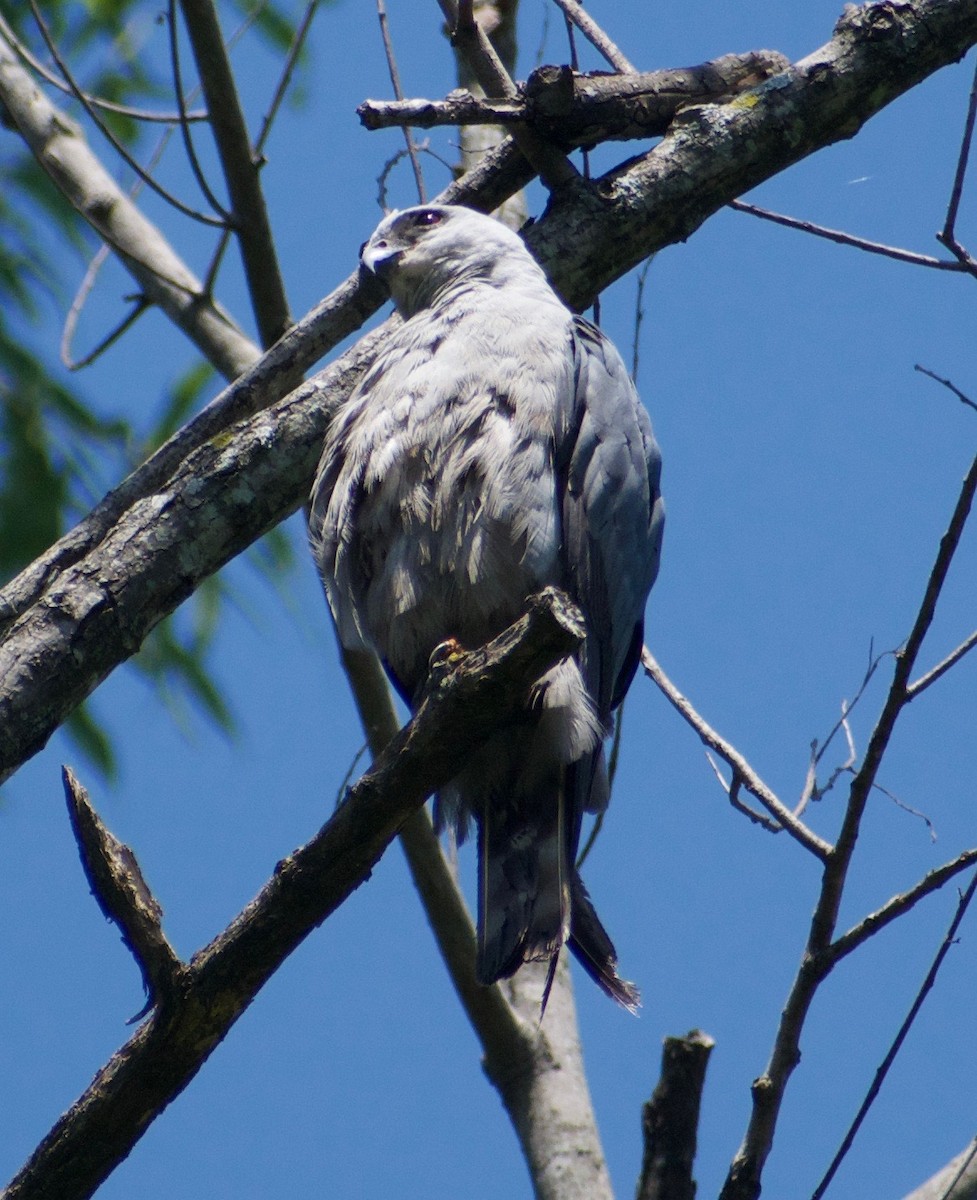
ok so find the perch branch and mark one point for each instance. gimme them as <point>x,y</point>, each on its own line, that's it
<point>462,706</point>
<point>583,241</point>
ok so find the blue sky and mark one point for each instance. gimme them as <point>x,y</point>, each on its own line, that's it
<point>809,473</point>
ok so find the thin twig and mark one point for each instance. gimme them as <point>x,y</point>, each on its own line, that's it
<point>596,36</point>
<point>285,78</point>
<point>961,396</point>
<point>947,234</point>
<point>849,239</point>
<point>140,304</point>
<point>188,146</point>
<point>883,1070</point>
<point>753,783</point>
<point>941,668</point>
<point>732,790</point>
<point>123,110</point>
<point>388,49</point>
<point>107,133</point>
<point>899,905</point>
<point>639,315</point>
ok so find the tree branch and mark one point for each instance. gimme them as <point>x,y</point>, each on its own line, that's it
<point>670,1120</point>
<point>467,35</point>
<point>579,16</point>
<point>61,149</point>
<point>743,1180</point>
<point>265,285</point>
<point>462,707</point>
<point>899,905</point>
<point>742,771</point>
<point>574,109</point>
<point>124,897</point>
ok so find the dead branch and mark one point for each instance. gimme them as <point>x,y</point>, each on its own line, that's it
<point>899,905</point>
<point>742,771</point>
<point>553,168</point>
<point>670,1120</point>
<point>124,897</point>
<point>573,109</point>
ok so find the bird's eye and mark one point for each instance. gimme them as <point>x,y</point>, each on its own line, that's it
<point>429,216</point>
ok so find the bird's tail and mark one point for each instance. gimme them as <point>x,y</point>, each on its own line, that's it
<point>524,893</point>
<point>531,900</point>
<point>594,950</point>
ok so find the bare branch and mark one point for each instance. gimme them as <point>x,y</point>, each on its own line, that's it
<point>964,399</point>
<point>139,305</point>
<point>948,234</point>
<point>595,35</point>
<point>670,1120</point>
<point>124,897</point>
<point>240,167</point>
<point>62,151</point>
<point>741,768</point>
<point>743,1180</point>
<point>409,143</point>
<point>941,668</point>
<point>460,710</point>
<point>553,168</point>
<point>573,109</point>
<point>110,137</point>
<point>849,239</point>
<point>285,78</point>
<point>732,790</point>
<point>883,1070</point>
<point>878,51</point>
<point>122,110</point>
<point>899,905</point>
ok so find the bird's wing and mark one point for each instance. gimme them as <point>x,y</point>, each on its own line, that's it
<point>613,516</point>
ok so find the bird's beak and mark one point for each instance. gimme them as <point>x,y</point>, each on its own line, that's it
<point>380,258</point>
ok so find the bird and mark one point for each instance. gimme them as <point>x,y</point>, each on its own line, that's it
<point>496,446</point>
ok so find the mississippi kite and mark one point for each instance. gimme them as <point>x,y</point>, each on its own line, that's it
<point>497,446</point>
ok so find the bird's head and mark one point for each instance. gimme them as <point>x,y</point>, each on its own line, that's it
<point>420,252</point>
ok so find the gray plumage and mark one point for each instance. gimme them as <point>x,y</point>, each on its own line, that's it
<point>497,445</point>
